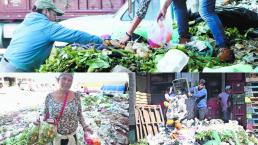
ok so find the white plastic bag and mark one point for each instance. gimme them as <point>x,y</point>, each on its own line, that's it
<point>159,34</point>
<point>173,61</point>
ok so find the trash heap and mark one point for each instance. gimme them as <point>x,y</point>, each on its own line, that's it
<point>240,19</point>
<point>196,132</point>
<point>108,116</point>
<point>178,130</point>
<point>251,5</point>
<point>79,59</point>
<point>14,123</point>
<point>140,57</point>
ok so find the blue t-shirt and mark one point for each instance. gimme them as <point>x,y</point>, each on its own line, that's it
<point>34,38</point>
<point>200,96</point>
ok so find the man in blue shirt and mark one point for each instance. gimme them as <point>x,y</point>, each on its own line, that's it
<point>34,38</point>
<point>200,94</point>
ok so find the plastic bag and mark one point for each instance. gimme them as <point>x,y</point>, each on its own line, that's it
<point>159,34</point>
<point>173,61</point>
<point>232,68</point>
<point>92,139</point>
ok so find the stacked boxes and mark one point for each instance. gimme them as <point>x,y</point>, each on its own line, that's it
<point>143,98</point>
<point>251,100</point>
<point>237,83</point>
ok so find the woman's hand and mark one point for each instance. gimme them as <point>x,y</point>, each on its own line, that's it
<point>161,14</point>
<point>87,130</point>
<point>125,39</point>
<point>37,122</point>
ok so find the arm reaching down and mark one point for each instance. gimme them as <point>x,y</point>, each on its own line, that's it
<point>60,33</point>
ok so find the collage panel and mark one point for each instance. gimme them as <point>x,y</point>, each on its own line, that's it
<point>95,109</point>
<point>128,36</point>
<point>173,72</point>
<point>194,109</point>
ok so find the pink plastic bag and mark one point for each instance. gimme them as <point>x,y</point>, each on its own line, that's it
<point>160,34</point>
<point>91,139</point>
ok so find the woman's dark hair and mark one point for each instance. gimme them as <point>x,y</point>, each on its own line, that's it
<point>35,9</point>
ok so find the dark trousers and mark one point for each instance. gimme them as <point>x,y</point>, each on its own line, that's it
<point>226,115</point>
<point>200,113</point>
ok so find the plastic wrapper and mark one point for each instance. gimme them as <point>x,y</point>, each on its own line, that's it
<point>159,34</point>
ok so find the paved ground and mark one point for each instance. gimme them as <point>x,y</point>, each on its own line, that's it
<point>14,99</point>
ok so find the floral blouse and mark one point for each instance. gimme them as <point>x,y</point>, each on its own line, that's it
<point>71,116</point>
<point>142,10</point>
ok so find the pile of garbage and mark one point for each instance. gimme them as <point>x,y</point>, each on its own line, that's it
<point>251,5</point>
<point>140,57</point>
<point>196,132</point>
<point>179,130</point>
<point>247,50</point>
<point>108,117</point>
<point>14,123</point>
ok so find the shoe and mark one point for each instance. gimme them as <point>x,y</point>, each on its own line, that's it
<point>184,40</point>
<point>225,55</point>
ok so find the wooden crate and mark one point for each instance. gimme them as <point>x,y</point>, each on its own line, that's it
<point>148,119</point>
<point>234,76</point>
<point>252,77</point>
<point>238,98</point>
<point>239,109</point>
<point>254,101</point>
<point>143,98</point>
<point>251,91</point>
<point>237,87</point>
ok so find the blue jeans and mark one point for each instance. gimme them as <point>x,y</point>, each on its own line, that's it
<point>207,12</point>
<point>7,67</point>
<point>226,115</point>
<point>201,113</point>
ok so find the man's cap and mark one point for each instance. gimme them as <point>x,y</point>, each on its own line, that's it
<point>228,87</point>
<point>202,81</point>
<point>48,4</point>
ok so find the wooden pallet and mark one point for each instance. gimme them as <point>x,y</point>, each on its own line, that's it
<point>143,98</point>
<point>252,124</point>
<point>148,119</point>
<point>255,128</point>
<point>252,79</point>
<point>251,89</point>
<point>254,101</point>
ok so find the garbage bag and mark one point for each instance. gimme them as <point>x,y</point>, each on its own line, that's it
<point>241,18</point>
<point>252,33</point>
<point>233,68</point>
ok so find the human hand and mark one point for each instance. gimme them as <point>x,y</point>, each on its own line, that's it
<point>51,121</point>
<point>161,14</point>
<point>124,40</point>
<point>87,130</point>
<point>190,94</point>
<point>37,122</point>
<point>167,97</point>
